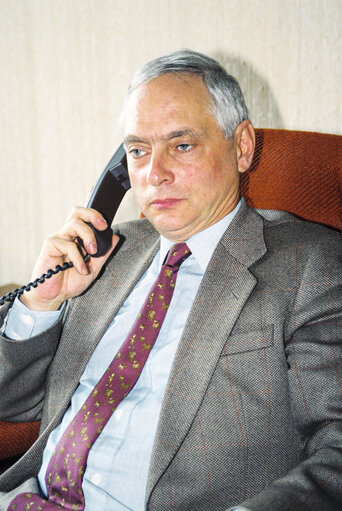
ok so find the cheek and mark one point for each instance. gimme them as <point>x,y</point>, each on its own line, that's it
<point>136,181</point>
<point>200,184</point>
<point>138,192</point>
<point>193,179</point>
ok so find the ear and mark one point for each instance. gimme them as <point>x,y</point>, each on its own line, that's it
<point>244,143</point>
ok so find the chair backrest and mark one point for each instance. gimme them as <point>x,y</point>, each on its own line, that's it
<point>299,172</point>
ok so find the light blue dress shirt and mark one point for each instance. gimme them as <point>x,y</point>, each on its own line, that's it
<point>118,463</point>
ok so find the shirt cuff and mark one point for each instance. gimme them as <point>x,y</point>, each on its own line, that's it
<point>23,323</point>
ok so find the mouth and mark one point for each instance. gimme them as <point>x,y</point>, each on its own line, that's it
<point>165,203</point>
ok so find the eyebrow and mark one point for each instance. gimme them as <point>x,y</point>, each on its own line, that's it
<point>187,132</point>
<point>132,139</point>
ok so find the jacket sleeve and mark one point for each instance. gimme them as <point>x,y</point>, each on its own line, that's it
<point>314,355</point>
<point>23,369</point>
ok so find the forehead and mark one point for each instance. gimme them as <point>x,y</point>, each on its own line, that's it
<point>169,98</point>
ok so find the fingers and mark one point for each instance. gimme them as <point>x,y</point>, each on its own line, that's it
<point>63,244</point>
<point>57,250</point>
<point>62,247</point>
<point>94,264</point>
<point>76,227</point>
<point>88,215</point>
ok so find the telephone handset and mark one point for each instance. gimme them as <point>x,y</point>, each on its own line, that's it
<point>106,197</point>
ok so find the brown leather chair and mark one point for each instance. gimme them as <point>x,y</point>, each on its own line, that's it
<point>299,172</point>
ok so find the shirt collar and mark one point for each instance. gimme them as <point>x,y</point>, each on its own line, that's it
<point>202,244</point>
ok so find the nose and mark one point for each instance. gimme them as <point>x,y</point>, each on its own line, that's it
<point>159,169</point>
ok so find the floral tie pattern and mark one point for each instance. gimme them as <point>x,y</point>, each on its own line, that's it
<point>67,465</point>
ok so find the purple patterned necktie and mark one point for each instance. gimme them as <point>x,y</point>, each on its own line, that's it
<point>67,465</point>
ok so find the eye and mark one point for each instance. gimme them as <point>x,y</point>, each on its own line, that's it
<point>185,147</point>
<point>137,153</point>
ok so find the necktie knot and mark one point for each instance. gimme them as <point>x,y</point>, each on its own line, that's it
<point>177,254</point>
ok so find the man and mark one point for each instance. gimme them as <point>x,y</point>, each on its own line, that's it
<point>239,402</point>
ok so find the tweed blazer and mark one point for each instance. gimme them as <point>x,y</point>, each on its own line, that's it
<point>253,407</point>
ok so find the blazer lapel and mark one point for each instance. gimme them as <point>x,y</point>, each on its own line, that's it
<point>224,290</point>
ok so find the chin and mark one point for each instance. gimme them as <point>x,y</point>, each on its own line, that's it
<point>169,223</point>
<point>164,225</point>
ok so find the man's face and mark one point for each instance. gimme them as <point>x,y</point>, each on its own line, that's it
<point>183,170</point>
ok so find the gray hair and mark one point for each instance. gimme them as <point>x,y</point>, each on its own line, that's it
<point>228,104</point>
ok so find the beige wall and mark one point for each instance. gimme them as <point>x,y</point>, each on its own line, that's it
<point>65,67</point>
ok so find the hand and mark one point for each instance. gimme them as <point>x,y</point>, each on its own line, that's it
<point>62,247</point>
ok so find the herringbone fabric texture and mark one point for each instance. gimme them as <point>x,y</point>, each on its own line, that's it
<point>67,465</point>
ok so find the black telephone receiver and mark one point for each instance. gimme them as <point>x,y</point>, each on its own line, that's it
<point>105,198</point>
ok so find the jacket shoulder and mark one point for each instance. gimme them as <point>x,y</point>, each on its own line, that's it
<point>295,228</point>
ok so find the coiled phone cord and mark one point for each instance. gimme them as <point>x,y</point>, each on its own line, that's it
<point>10,297</point>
